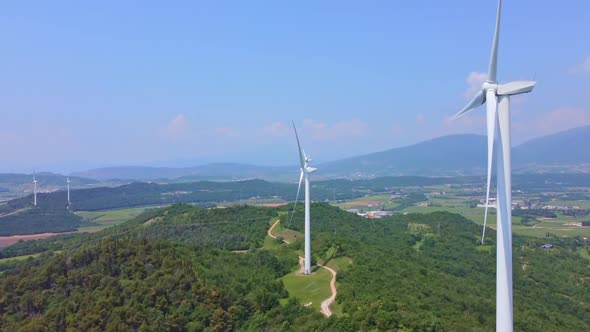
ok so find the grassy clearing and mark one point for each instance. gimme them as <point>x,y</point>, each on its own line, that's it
<point>288,235</point>
<point>313,288</point>
<point>113,217</point>
<point>584,253</point>
<point>92,229</point>
<point>25,257</point>
<point>19,258</point>
<point>340,263</point>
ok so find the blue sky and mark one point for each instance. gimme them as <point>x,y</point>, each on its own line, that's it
<point>176,83</point>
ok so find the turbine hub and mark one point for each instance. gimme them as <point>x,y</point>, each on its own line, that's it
<point>489,86</point>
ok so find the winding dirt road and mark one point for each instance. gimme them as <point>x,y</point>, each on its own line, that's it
<point>301,265</point>
<point>326,303</point>
<point>270,231</point>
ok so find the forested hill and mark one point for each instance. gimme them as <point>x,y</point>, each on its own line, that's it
<point>208,192</point>
<point>120,285</point>
<point>18,216</point>
<point>427,272</point>
<point>172,268</point>
<point>50,215</point>
<point>43,179</point>
<point>137,276</point>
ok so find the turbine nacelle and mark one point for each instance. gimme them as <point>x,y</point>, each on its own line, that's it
<point>509,89</point>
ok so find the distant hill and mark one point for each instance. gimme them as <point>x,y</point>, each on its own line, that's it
<point>16,185</point>
<point>214,171</point>
<point>172,269</point>
<point>443,156</point>
<point>447,155</point>
<point>568,147</point>
<point>466,155</point>
<point>43,179</point>
<point>19,216</point>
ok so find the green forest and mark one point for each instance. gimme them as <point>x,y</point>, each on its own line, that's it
<point>174,269</point>
<point>50,215</point>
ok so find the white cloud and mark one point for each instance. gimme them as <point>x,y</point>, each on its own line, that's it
<point>342,129</point>
<point>474,81</point>
<point>583,67</point>
<point>177,128</point>
<point>557,120</point>
<point>275,129</point>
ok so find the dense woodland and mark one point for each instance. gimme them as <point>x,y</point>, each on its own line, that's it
<point>50,215</point>
<point>437,277</point>
<point>121,285</point>
<point>172,269</point>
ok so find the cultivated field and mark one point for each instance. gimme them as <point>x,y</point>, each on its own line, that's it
<point>459,201</point>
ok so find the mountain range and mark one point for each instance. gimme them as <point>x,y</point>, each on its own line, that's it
<point>463,154</point>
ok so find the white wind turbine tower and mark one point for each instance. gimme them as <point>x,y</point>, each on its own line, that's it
<point>34,190</point>
<point>497,99</point>
<point>305,171</point>
<point>68,182</point>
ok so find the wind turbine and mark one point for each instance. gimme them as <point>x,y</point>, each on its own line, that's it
<point>497,99</point>
<point>68,182</point>
<point>305,171</point>
<point>34,190</point>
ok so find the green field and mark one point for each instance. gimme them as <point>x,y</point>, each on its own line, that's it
<point>113,217</point>
<point>108,218</point>
<point>313,288</point>
<point>18,258</point>
<point>24,257</point>
<point>581,204</point>
<point>452,203</point>
<point>555,226</point>
<point>382,198</point>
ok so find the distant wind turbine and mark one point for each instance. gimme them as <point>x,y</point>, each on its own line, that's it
<point>68,182</point>
<point>497,99</point>
<point>34,190</point>
<point>305,171</point>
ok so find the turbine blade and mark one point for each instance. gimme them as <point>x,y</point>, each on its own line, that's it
<point>491,114</point>
<point>515,88</point>
<point>477,101</point>
<point>301,153</point>
<point>296,197</point>
<point>492,71</point>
